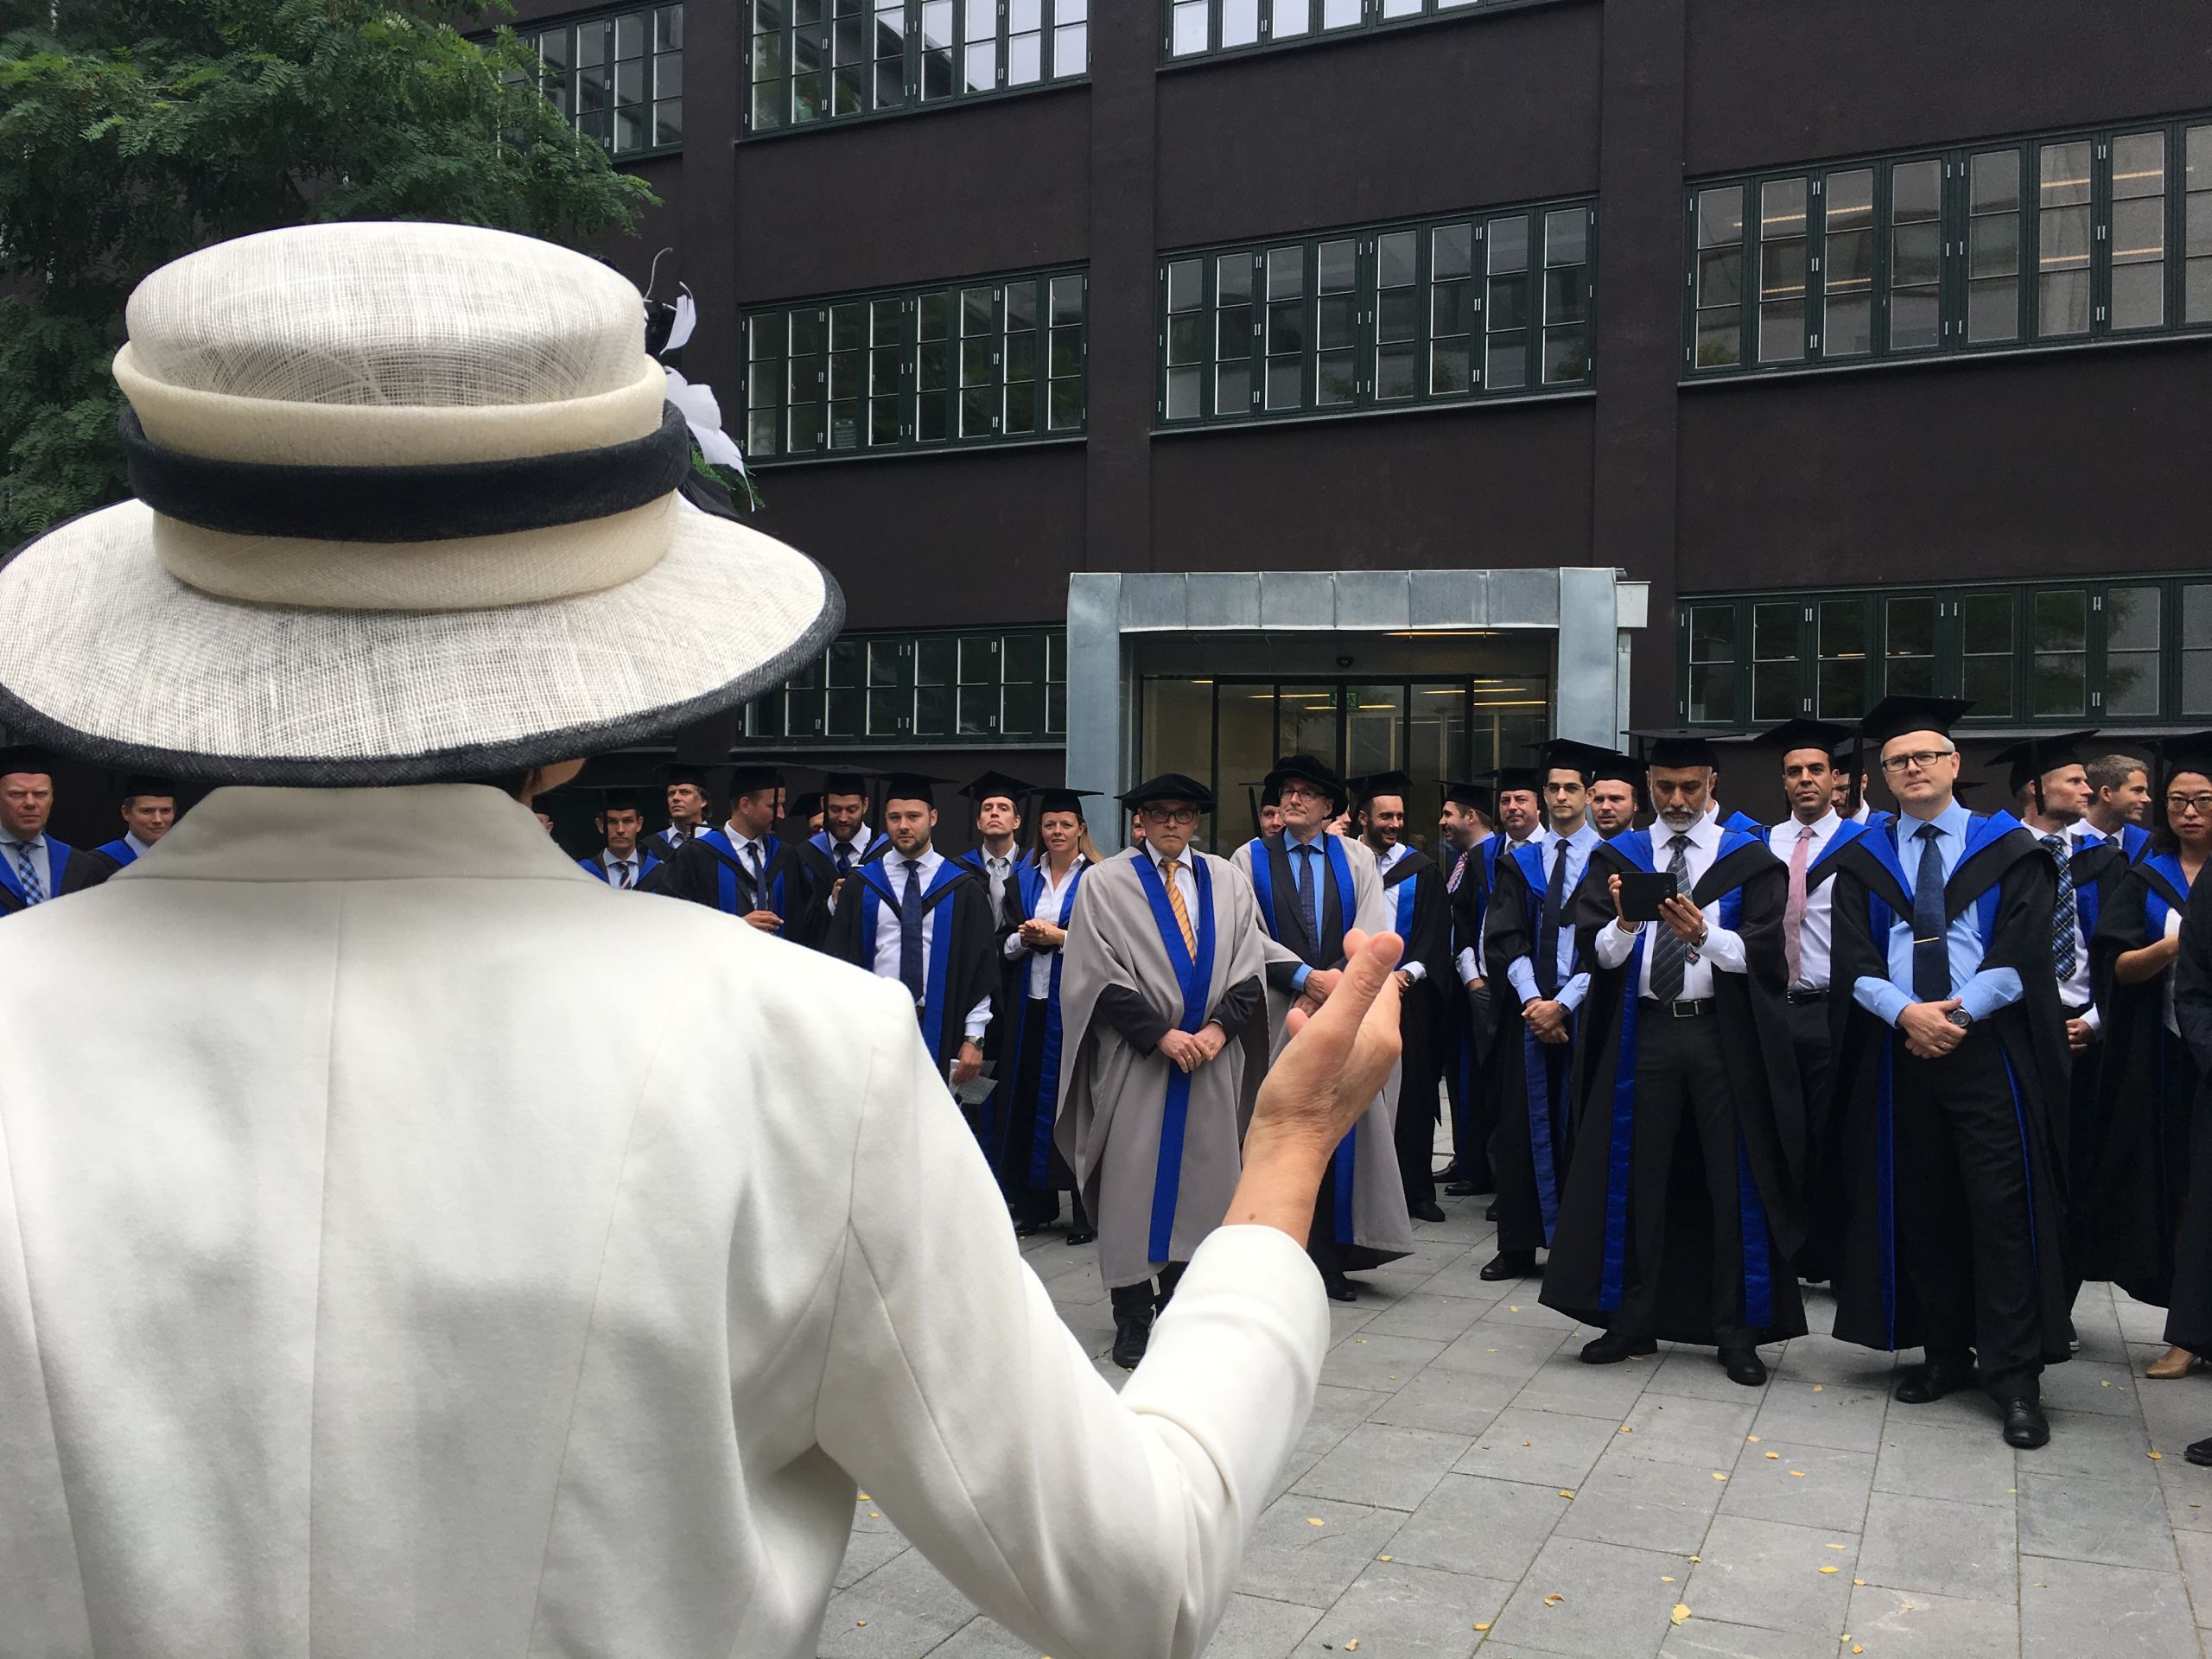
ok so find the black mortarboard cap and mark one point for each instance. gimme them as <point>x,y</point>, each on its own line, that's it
<point>2186,752</point>
<point>806,805</point>
<point>1307,769</point>
<point>910,786</point>
<point>2032,757</point>
<point>844,783</point>
<point>1505,779</point>
<point>1168,786</point>
<point>1064,800</point>
<point>1803,733</point>
<point>683,771</point>
<point>1894,716</point>
<point>1678,746</point>
<point>1461,791</point>
<point>610,800</point>
<point>749,777</point>
<point>24,757</point>
<point>146,782</point>
<point>1589,759</point>
<point>1382,783</point>
<point>997,782</point>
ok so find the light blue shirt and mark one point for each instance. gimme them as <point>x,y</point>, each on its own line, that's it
<point>1319,861</point>
<point>1981,991</point>
<point>42,860</point>
<point>1521,972</point>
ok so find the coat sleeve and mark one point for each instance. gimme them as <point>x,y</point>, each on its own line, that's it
<point>1511,934</point>
<point>953,1392</point>
<point>2193,984</point>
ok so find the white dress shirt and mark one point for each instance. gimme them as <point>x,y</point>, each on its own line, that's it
<point>480,1326</point>
<point>1815,936</point>
<point>887,933</point>
<point>1469,961</point>
<point>752,853</point>
<point>635,863</point>
<point>138,849</point>
<point>1384,863</point>
<point>1521,972</point>
<point>1723,947</point>
<point>2074,990</point>
<point>1051,895</point>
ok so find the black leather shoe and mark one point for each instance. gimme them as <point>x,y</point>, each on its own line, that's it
<point>1490,1213</point>
<point>1458,1189</point>
<point>1341,1289</point>
<point>1509,1264</point>
<point>2199,1452</point>
<point>1743,1366</point>
<point>1028,1229</point>
<point>1080,1236</point>
<point>2025,1426</point>
<point>1616,1346</point>
<point>1132,1334</point>
<point>1931,1382</point>
<point>1427,1211</point>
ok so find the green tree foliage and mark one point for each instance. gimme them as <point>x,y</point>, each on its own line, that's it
<point>132,131</point>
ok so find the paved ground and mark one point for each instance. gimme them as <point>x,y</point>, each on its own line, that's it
<point>1477,1488</point>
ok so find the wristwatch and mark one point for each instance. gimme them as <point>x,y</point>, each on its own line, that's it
<point>1959,1017</point>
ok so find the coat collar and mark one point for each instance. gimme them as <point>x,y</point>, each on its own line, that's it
<point>469,830</point>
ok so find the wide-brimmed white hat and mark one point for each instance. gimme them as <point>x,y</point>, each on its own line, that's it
<point>406,508</point>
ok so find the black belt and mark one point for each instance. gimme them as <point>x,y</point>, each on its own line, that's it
<point>1799,999</point>
<point>1684,1009</point>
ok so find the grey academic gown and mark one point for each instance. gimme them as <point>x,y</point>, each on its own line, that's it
<point>1115,1104</point>
<point>1382,1230</point>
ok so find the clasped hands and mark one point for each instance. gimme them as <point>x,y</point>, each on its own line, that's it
<point>1191,1050</point>
<point>1042,936</point>
<point>1928,1033</point>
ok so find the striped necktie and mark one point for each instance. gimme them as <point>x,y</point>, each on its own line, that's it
<point>2063,932</point>
<point>1167,869</point>
<point>27,873</point>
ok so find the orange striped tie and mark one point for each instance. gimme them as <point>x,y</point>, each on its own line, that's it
<point>1167,867</point>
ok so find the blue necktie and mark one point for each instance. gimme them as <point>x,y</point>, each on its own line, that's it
<point>911,970</point>
<point>1931,960</point>
<point>1547,928</point>
<point>1308,899</point>
<point>27,873</point>
<point>2062,930</point>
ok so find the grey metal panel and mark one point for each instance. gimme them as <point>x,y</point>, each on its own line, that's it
<point>1096,694</point>
<point>1223,598</point>
<point>1298,599</point>
<point>1589,657</point>
<point>1151,601</point>
<point>1373,599</point>
<point>1449,599</point>
<point>1530,599</point>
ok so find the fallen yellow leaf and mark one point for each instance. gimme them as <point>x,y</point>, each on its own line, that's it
<point>1774,1456</point>
<point>1565,1492</point>
<point>1859,1580</point>
<point>1717,1475</point>
<point>1816,1387</point>
<point>1512,1309</point>
<point>1666,1577</point>
<point>1352,1646</point>
<point>875,1515</point>
<point>1753,1439</point>
<point>1681,1613</point>
<point>1625,1429</point>
<point>1553,1600</point>
<point>2156,1457</point>
<point>1695,1559</point>
<point>1482,1627</point>
<point>1857,1647</point>
<point>860,1621</point>
<point>864,1498</point>
<point>2106,1383</point>
<point>1382,1558</point>
<point>1315,1520</point>
<point>1827,1569</point>
<point>1835,1546</point>
<point>1796,1474</point>
<point>1394,1376</point>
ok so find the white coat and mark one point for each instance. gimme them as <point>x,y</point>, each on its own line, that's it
<point>374,1280</point>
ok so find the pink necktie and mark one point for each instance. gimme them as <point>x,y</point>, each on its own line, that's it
<point>1793,913</point>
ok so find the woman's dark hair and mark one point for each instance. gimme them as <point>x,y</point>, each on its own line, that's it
<point>2162,839</point>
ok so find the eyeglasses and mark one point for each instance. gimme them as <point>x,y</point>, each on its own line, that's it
<point>2200,804</point>
<point>1182,815</point>
<point>1919,760</point>
<point>1304,792</point>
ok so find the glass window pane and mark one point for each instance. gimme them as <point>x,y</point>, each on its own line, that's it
<point>1397,317</point>
<point>1909,646</point>
<point>1986,654</point>
<point>1775,629</point>
<point>1234,333</point>
<point>1450,309</point>
<point>1847,264</point>
<point>1916,256</point>
<point>1286,343</point>
<point>2132,650</point>
<point>2139,230</point>
<point>1567,252</point>
<point>2196,648</point>
<point>1843,658</point>
<point>1505,303</point>
<point>1240,22</point>
<point>1993,247</point>
<point>1781,270</point>
<point>2196,271</point>
<point>1719,277</point>
<point>2060,620</point>
<point>2063,239</point>
<point>1190,27</point>
<point>1712,688</point>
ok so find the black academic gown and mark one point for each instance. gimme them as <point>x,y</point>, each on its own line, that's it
<point>962,964</point>
<point>1470,1048</point>
<point>2130,1178</point>
<point>1009,901</point>
<point>1591,1267</point>
<point>2008,880</point>
<point>1420,914</point>
<point>70,869</point>
<point>2189,1313</point>
<point>707,870</point>
<point>1532,1146</point>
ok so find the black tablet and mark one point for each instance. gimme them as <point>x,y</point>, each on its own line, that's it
<point>1643,895</point>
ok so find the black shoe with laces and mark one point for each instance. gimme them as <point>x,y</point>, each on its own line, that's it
<point>2025,1426</point>
<point>1132,1335</point>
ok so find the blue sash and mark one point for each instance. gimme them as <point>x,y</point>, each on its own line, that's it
<point>57,866</point>
<point>1406,889</point>
<point>875,894</point>
<point>2155,907</point>
<point>1194,975</point>
<point>1263,886</point>
<point>120,850</point>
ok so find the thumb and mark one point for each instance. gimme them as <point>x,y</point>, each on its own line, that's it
<point>1369,961</point>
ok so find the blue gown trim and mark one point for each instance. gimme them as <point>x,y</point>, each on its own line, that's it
<point>1048,1072</point>
<point>1194,975</point>
<point>874,895</point>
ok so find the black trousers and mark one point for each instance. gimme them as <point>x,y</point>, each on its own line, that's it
<point>1321,1237</point>
<point>1140,1298</point>
<point>1037,1206</point>
<point>1421,1032</point>
<point>1965,1236</point>
<point>1813,1041</point>
<point>1466,1056</point>
<point>1681,1081</point>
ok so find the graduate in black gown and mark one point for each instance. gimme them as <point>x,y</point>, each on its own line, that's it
<point>1469,849</point>
<point>34,867</point>
<point>1010,880</point>
<point>1420,914</point>
<point>915,916</point>
<point>687,789</point>
<point>148,808</point>
<point>1032,1171</point>
<point>1951,1081</point>
<point>626,859</point>
<point>2143,1200</point>
<point>1681,1210</point>
<point>743,868</point>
